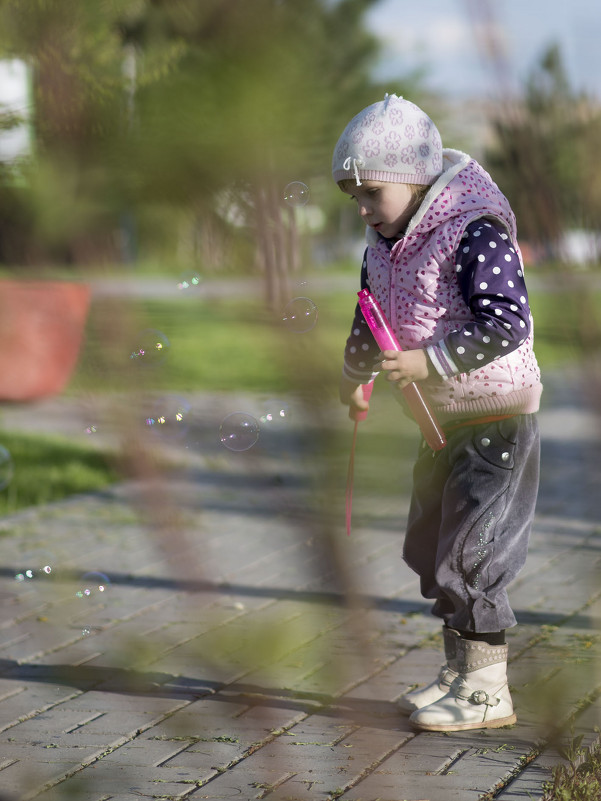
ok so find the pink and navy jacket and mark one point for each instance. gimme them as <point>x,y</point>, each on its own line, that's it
<point>454,285</point>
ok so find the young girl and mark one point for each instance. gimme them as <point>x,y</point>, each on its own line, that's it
<point>443,261</point>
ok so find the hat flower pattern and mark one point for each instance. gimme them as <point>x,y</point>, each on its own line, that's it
<point>396,116</point>
<point>369,120</point>
<point>424,127</point>
<point>372,148</point>
<point>342,151</point>
<point>392,140</point>
<point>408,155</point>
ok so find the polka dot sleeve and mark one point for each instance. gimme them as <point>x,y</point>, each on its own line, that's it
<point>361,350</point>
<point>491,279</point>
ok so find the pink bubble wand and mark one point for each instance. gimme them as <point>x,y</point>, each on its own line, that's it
<point>384,336</point>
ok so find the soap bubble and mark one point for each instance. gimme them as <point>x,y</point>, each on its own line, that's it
<point>91,429</point>
<point>171,417</point>
<point>189,281</point>
<point>93,584</point>
<point>36,564</point>
<point>239,431</point>
<point>151,348</point>
<point>276,412</point>
<point>30,573</point>
<point>7,467</point>
<point>300,315</point>
<point>296,193</point>
<point>89,629</point>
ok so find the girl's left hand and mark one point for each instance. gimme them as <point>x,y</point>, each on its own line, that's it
<point>404,367</point>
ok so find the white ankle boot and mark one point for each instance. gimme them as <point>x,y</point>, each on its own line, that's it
<point>478,698</point>
<point>416,699</point>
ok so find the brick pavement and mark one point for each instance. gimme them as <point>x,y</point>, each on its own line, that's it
<point>221,660</point>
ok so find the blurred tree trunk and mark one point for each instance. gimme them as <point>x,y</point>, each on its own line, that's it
<point>277,243</point>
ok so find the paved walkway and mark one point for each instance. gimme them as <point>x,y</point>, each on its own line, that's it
<point>213,655</point>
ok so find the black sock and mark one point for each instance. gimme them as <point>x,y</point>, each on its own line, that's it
<point>492,638</point>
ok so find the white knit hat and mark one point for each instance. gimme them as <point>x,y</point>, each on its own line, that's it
<point>392,140</point>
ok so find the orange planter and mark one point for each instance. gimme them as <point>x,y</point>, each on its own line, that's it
<point>41,330</point>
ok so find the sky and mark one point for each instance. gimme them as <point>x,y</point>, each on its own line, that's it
<point>441,35</point>
<point>13,98</point>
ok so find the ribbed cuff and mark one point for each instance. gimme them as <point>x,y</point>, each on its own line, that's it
<point>441,359</point>
<point>360,376</point>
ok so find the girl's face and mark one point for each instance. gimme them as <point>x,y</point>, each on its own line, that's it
<point>385,207</point>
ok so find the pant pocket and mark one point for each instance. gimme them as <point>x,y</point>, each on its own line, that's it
<point>495,447</point>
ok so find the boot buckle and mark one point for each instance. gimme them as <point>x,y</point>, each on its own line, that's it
<point>482,697</point>
<point>463,691</point>
<point>479,697</point>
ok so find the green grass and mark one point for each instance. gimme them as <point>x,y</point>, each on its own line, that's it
<point>49,468</point>
<point>216,346</point>
<point>567,325</point>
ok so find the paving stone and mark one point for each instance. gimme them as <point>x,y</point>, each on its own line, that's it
<point>113,780</point>
<point>462,769</point>
<point>526,787</point>
<point>24,777</point>
<point>30,702</point>
<point>40,751</point>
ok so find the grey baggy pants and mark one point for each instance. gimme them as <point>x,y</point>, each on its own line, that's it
<point>469,522</point>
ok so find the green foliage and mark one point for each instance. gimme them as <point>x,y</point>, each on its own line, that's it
<point>580,778</point>
<point>141,104</point>
<point>48,468</point>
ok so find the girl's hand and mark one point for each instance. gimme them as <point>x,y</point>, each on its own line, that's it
<point>404,367</point>
<point>351,394</point>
